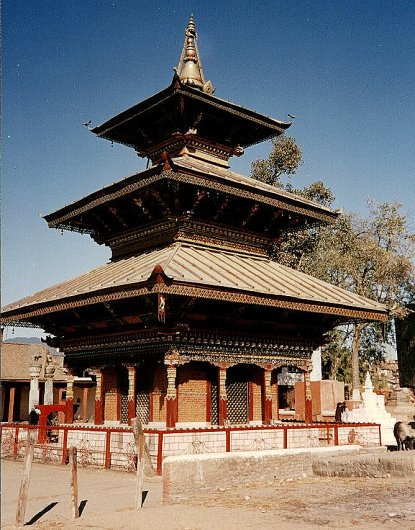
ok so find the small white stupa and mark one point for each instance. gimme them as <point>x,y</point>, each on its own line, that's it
<point>373,410</point>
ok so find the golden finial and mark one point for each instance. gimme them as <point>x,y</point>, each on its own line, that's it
<point>190,69</point>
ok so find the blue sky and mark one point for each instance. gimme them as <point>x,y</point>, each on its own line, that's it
<point>345,69</point>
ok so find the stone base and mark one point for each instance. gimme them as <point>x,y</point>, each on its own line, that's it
<point>187,473</point>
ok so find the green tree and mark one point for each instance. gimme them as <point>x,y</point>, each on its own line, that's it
<point>372,257</point>
<point>284,159</point>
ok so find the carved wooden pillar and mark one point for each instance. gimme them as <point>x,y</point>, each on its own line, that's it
<point>99,397</point>
<point>223,398</point>
<point>34,372</point>
<point>131,393</point>
<point>69,397</point>
<point>308,411</point>
<point>171,396</point>
<point>84,403</point>
<point>267,396</point>
<point>49,373</point>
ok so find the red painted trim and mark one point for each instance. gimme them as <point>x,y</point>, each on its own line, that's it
<point>308,413</point>
<point>65,447</point>
<point>380,435</point>
<point>160,454</point>
<point>208,401</point>
<point>268,411</point>
<point>228,440</point>
<point>99,409</point>
<point>227,431</point>
<point>69,411</point>
<point>223,405</point>
<point>108,450</point>
<point>80,427</point>
<point>16,443</point>
<point>336,435</point>
<point>171,411</point>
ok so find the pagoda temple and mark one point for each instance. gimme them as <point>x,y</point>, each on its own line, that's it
<point>191,321</point>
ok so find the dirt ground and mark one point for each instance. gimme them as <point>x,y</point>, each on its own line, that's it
<point>107,499</point>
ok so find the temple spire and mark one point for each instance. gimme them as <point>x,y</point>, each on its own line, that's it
<point>190,69</point>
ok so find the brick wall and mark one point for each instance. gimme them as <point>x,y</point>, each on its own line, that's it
<point>158,396</point>
<point>256,389</point>
<point>193,395</point>
<point>111,395</point>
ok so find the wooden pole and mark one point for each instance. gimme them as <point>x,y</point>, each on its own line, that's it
<point>140,444</point>
<point>24,485</point>
<point>73,464</point>
<point>149,470</point>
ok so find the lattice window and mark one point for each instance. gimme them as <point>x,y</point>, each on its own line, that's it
<point>143,407</point>
<point>214,405</point>
<point>124,408</point>
<point>237,393</point>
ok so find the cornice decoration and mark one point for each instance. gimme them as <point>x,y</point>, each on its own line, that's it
<point>176,288</point>
<point>179,347</point>
<point>179,141</point>
<point>204,181</point>
<point>187,230</point>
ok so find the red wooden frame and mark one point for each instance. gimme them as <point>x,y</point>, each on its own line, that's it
<point>332,434</point>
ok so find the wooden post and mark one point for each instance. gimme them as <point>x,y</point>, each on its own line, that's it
<point>99,398</point>
<point>267,396</point>
<point>73,464</point>
<point>69,397</point>
<point>108,449</point>
<point>140,443</point>
<point>16,442</point>
<point>11,405</point>
<point>24,485</point>
<point>223,399</point>
<point>65,446</point>
<point>131,393</point>
<point>308,407</point>
<point>171,396</point>
<point>84,403</point>
<point>160,453</point>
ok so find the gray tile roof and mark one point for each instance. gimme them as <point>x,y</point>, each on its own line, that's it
<point>200,266</point>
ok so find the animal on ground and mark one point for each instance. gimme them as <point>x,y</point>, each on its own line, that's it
<point>404,438</point>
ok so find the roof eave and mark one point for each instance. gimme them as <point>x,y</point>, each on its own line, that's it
<point>31,313</point>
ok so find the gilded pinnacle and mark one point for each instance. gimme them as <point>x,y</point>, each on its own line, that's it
<point>190,69</point>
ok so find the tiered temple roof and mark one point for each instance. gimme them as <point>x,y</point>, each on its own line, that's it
<point>189,228</point>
